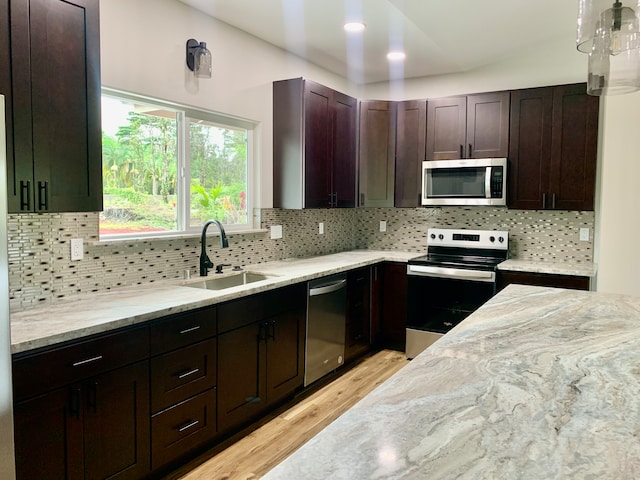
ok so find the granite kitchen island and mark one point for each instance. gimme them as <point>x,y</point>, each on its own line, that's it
<point>539,383</point>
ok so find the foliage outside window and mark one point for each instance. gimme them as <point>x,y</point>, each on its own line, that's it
<point>168,169</point>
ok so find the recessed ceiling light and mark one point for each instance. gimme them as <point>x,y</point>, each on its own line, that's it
<point>396,56</point>
<point>354,26</point>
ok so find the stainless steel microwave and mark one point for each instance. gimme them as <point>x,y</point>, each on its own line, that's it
<point>473,181</point>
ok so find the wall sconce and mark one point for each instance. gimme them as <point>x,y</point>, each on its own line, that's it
<point>609,32</point>
<point>198,58</point>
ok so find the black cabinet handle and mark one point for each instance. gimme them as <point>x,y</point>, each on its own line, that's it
<point>262,332</point>
<point>25,195</point>
<point>553,201</point>
<point>461,151</point>
<point>74,402</point>
<point>252,400</point>
<point>43,195</point>
<point>92,396</point>
<point>544,201</point>
<point>470,150</point>
<point>362,199</point>
<point>273,330</point>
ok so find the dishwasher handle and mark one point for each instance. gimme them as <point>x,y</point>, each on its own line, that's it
<point>333,287</point>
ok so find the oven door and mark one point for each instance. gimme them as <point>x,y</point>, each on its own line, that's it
<point>440,298</point>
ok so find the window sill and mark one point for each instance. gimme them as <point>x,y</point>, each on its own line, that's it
<point>177,236</point>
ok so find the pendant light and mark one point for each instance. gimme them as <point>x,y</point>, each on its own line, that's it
<point>610,34</point>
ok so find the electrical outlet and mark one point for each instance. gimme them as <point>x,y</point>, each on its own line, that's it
<point>584,234</point>
<point>383,225</point>
<point>77,249</point>
<point>276,231</point>
<point>321,228</point>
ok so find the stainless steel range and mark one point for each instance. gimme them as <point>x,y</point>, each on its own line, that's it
<point>456,277</point>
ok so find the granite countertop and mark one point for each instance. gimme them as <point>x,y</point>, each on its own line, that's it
<point>539,383</point>
<point>82,315</point>
<point>557,268</point>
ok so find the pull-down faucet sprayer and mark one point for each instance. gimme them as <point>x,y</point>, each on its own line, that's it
<point>205,262</point>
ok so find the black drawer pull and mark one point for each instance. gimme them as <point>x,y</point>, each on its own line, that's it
<point>188,426</point>
<point>253,400</point>
<point>189,330</point>
<point>88,360</point>
<point>186,374</point>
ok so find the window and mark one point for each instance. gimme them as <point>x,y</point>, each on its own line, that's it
<point>167,168</point>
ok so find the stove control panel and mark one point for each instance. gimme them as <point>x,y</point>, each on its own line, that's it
<point>450,237</point>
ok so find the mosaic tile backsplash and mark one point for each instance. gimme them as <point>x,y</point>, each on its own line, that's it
<point>40,269</point>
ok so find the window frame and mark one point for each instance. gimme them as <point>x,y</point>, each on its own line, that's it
<point>185,113</point>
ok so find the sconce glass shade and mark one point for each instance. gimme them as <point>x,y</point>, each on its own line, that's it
<point>609,31</point>
<point>198,58</point>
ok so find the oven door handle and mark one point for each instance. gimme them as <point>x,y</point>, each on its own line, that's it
<point>444,272</point>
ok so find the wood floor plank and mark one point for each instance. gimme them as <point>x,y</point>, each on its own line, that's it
<point>293,425</point>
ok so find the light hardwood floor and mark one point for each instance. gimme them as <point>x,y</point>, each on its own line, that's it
<point>287,429</point>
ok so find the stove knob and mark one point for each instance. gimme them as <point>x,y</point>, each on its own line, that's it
<point>492,239</point>
<point>501,239</point>
<point>441,237</point>
<point>433,236</point>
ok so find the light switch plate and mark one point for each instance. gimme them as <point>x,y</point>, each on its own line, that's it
<point>584,234</point>
<point>77,251</point>
<point>276,231</point>
<point>321,228</point>
<point>383,225</point>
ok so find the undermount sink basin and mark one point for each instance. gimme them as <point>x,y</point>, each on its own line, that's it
<point>228,281</point>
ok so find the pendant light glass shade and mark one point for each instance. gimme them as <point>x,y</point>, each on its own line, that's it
<point>609,31</point>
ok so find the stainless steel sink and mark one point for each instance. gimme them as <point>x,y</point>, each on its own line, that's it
<point>228,281</point>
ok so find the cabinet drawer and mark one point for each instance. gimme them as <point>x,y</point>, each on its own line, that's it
<point>182,373</point>
<point>251,309</point>
<point>41,372</point>
<point>183,330</point>
<point>182,428</point>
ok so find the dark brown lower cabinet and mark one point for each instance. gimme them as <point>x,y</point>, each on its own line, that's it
<point>358,327</point>
<point>393,298</point>
<point>94,429</point>
<point>260,353</point>
<point>505,278</point>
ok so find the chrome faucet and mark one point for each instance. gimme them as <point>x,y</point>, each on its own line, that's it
<point>205,262</point>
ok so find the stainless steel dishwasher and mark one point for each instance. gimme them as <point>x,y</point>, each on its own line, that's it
<point>326,320</point>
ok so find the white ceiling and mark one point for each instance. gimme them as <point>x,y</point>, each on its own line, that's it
<point>439,36</point>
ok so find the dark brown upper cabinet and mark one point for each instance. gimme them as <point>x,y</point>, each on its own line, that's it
<point>53,106</point>
<point>314,146</point>
<point>552,154</point>
<point>377,153</point>
<point>392,148</point>
<point>411,133</point>
<point>472,126</point>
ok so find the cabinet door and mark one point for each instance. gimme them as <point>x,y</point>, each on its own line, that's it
<point>56,163</point>
<point>411,131</point>
<point>48,436</point>
<point>318,147</point>
<point>358,331</point>
<point>446,128</point>
<point>344,150</point>
<point>241,381</point>
<point>377,153</point>
<point>529,147</point>
<point>487,125</point>
<point>505,278</point>
<point>394,305</point>
<point>574,143</point>
<point>285,352</point>
<point>117,424</point>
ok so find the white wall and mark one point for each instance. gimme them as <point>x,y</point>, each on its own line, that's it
<point>618,210</point>
<point>143,50</point>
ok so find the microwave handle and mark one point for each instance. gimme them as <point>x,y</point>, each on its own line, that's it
<point>487,183</point>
